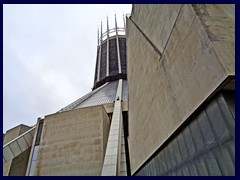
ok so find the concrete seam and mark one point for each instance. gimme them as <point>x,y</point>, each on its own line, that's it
<point>171,30</point>
<point>148,40</point>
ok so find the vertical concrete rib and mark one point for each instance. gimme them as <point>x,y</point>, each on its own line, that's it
<point>111,164</point>
<point>99,56</point>
<point>118,51</point>
<point>107,64</point>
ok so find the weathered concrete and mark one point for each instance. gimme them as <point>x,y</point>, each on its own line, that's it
<point>73,142</point>
<point>33,147</point>
<point>16,166</point>
<point>112,159</point>
<point>172,76</point>
<point>6,168</point>
<point>109,107</point>
<point>219,23</point>
<point>123,165</point>
<point>15,132</point>
<point>19,164</point>
<point>165,15</point>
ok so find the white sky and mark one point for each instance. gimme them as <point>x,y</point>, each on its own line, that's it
<point>49,54</point>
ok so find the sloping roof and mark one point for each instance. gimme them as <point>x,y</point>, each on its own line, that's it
<point>103,95</point>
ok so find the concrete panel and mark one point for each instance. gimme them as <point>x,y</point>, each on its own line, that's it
<point>19,164</point>
<point>8,154</point>
<point>73,142</point>
<point>22,143</point>
<point>24,128</point>
<point>177,81</point>
<point>6,168</point>
<point>15,148</point>
<point>15,132</point>
<point>109,107</point>
<point>218,20</point>
<point>11,134</point>
<point>144,76</point>
<point>158,33</point>
<point>29,138</point>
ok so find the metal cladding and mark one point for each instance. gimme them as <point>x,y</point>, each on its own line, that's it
<point>111,62</point>
<point>102,95</point>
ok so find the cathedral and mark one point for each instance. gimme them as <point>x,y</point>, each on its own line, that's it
<point>162,102</point>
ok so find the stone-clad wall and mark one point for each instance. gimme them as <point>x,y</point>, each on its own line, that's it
<point>174,65</point>
<point>219,23</point>
<point>73,142</point>
<point>156,21</point>
<point>18,165</point>
<point>15,132</point>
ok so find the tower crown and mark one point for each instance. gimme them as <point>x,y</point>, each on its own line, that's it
<point>111,55</point>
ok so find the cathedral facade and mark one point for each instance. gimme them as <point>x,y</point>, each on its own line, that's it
<point>162,102</point>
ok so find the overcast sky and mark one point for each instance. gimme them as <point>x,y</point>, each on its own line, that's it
<point>49,54</point>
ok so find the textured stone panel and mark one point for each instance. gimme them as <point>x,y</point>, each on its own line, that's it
<point>19,164</point>
<point>165,14</point>
<point>145,76</point>
<point>73,142</point>
<point>15,132</point>
<point>218,21</point>
<point>174,82</point>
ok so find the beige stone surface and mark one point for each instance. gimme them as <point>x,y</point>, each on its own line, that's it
<point>164,90</point>
<point>218,20</point>
<point>109,107</point>
<point>32,148</point>
<point>19,164</point>
<point>6,168</point>
<point>73,142</point>
<point>124,106</point>
<point>15,132</point>
<point>123,165</point>
<point>165,14</point>
<point>143,88</point>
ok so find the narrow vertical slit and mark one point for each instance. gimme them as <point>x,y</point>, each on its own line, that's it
<point>125,128</point>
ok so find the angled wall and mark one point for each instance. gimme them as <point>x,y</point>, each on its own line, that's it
<point>178,57</point>
<point>15,132</point>
<point>73,142</point>
<point>17,166</point>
